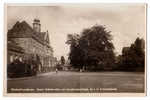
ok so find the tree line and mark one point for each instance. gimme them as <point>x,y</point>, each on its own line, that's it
<point>93,50</point>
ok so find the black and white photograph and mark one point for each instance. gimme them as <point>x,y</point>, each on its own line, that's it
<point>75,49</point>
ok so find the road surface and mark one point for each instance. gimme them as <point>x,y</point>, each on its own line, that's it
<point>79,82</point>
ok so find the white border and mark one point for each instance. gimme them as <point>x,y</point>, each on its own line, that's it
<point>54,94</point>
<point>68,1</point>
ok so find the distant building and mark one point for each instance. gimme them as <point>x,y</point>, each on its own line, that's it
<point>33,42</point>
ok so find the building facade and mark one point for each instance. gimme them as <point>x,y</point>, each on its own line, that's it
<point>14,51</point>
<point>33,42</point>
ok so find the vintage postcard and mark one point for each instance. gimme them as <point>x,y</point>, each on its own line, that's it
<point>75,49</point>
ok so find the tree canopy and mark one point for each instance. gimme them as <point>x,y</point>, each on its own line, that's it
<point>92,48</point>
<point>133,57</point>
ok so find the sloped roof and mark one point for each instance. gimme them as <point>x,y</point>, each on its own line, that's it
<point>24,30</point>
<point>47,38</point>
<point>20,29</point>
<point>42,35</point>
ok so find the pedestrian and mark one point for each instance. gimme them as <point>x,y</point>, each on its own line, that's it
<point>56,70</point>
<point>80,70</point>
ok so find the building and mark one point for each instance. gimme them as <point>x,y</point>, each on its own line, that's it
<point>14,51</point>
<point>33,42</point>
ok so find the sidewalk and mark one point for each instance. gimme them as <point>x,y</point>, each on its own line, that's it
<point>30,77</point>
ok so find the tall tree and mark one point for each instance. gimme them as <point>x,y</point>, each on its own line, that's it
<point>93,48</point>
<point>75,52</point>
<point>62,60</point>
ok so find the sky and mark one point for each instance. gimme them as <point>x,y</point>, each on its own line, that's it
<point>125,21</point>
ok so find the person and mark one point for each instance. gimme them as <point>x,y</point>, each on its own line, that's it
<point>56,70</point>
<point>80,70</point>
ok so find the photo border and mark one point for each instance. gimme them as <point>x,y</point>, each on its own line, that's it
<point>66,94</point>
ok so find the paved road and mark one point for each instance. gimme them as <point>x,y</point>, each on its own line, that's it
<point>93,81</point>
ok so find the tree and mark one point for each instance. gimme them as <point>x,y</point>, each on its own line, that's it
<point>75,52</point>
<point>62,60</point>
<point>93,48</point>
<point>133,57</point>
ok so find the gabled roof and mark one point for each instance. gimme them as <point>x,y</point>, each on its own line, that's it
<point>46,37</point>
<point>42,35</point>
<point>24,30</point>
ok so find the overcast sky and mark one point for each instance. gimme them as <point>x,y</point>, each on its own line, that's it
<point>126,21</point>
